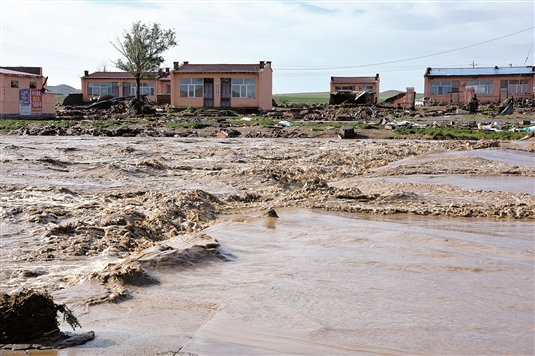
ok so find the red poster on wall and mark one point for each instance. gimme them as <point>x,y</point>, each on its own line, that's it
<point>37,102</point>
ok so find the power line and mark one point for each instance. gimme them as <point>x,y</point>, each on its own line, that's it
<point>410,59</point>
<point>529,52</point>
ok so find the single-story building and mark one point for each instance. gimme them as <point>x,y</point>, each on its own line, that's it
<point>489,84</point>
<point>351,84</point>
<point>222,85</point>
<point>124,84</point>
<point>24,94</point>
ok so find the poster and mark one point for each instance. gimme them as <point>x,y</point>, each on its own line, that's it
<point>25,104</point>
<point>37,102</point>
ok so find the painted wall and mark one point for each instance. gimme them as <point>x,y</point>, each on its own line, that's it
<point>263,90</point>
<point>159,87</point>
<point>265,87</point>
<point>498,95</point>
<point>9,100</point>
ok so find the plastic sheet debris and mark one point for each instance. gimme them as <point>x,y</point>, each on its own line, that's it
<point>492,127</point>
<point>285,123</point>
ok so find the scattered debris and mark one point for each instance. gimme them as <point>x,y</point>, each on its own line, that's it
<point>29,317</point>
<point>346,132</point>
<point>271,213</point>
<point>507,107</point>
<point>351,97</point>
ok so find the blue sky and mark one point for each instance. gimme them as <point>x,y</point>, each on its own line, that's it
<point>306,41</point>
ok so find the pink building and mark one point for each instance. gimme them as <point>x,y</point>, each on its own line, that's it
<point>24,95</point>
<point>124,84</point>
<point>492,84</point>
<point>222,85</point>
<point>368,84</point>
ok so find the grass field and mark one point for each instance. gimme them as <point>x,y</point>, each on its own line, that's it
<point>321,97</point>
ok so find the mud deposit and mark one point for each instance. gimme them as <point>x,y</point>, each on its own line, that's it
<point>161,245</point>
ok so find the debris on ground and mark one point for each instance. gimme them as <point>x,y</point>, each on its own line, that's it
<point>31,318</point>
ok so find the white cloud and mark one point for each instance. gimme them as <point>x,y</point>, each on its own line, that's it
<point>68,37</point>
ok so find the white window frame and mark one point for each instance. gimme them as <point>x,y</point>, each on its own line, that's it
<point>440,87</point>
<point>481,87</point>
<point>146,88</point>
<point>191,87</point>
<point>344,88</point>
<point>368,88</point>
<point>243,88</point>
<point>99,88</point>
<point>520,86</point>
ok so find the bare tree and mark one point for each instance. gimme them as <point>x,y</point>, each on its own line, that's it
<point>142,48</point>
<point>102,67</point>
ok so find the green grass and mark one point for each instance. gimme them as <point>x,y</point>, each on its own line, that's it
<point>302,98</point>
<point>59,99</point>
<point>460,134</point>
<point>321,97</point>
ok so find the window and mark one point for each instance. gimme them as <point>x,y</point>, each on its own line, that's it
<point>368,88</point>
<point>98,89</point>
<point>145,89</point>
<point>441,88</point>
<point>516,86</point>
<point>14,83</point>
<point>191,87</point>
<point>344,88</point>
<point>483,87</point>
<point>244,88</point>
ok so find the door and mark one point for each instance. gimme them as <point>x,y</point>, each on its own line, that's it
<point>226,92</point>
<point>208,92</point>
<point>503,94</point>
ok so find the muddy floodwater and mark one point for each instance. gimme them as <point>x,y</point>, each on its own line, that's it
<point>163,246</point>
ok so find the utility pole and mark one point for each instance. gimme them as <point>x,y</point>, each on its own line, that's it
<point>473,64</point>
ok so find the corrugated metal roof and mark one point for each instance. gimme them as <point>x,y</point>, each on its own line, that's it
<point>352,80</point>
<point>218,68</point>
<point>456,72</point>
<point>15,73</point>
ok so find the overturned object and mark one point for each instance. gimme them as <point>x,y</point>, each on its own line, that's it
<point>507,107</point>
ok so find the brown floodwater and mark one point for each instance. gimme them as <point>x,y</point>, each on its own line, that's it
<point>467,181</point>
<point>311,282</point>
<point>316,283</point>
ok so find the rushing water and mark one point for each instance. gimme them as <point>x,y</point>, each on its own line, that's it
<point>467,181</point>
<point>319,283</point>
<point>310,282</point>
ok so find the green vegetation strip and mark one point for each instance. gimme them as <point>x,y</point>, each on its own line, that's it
<point>460,134</point>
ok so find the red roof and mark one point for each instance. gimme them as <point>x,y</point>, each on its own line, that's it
<point>218,68</point>
<point>117,75</point>
<point>352,80</point>
<point>109,75</point>
<point>14,73</point>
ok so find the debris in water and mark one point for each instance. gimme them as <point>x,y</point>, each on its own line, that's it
<point>271,213</point>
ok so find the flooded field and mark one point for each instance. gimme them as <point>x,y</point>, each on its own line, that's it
<point>163,247</point>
